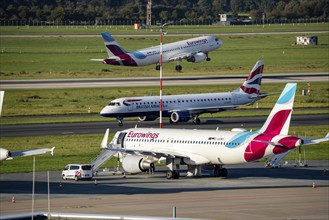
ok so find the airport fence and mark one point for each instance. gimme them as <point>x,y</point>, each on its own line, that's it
<point>180,22</point>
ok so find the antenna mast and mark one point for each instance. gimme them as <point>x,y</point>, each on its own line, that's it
<point>149,14</point>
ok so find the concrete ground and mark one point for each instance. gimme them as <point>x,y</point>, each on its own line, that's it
<point>249,192</point>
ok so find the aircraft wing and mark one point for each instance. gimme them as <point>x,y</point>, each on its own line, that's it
<point>219,108</point>
<point>24,153</point>
<point>158,153</point>
<point>181,56</point>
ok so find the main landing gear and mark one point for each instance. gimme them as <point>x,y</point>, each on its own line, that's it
<point>178,67</point>
<point>219,171</point>
<point>196,120</point>
<point>173,172</point>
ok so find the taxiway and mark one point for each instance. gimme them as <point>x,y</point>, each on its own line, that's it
<point>249,192</point>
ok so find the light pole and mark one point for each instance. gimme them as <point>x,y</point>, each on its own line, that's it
<point>161,34</point>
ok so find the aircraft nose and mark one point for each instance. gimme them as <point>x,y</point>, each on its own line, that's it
<point>220,42</point>
<point>104,111</point>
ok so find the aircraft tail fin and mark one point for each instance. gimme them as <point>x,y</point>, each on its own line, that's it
<point>112,47</point>
<point>253,82</point>
<point>278,121</point>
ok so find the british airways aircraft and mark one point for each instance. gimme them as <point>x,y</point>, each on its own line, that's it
<point>142,147</point>
<point>182,108</point>
<point>193,50</point>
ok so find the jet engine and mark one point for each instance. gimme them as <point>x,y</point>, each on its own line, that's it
<point>4,154</point>
<point>147,118</point>
<point>135,164</point>
<point>180,117</point>
<point>196,58</point>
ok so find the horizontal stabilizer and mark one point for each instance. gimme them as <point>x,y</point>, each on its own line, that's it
<point>98,60</point>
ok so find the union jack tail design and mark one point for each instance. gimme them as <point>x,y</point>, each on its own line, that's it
<point>278,121</point>
<point>254,79</point>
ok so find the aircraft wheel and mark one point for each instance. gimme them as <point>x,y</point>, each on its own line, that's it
<point>216,173</point>
<point>197,121</point>
<point>208,59</point>
<point>169,175</point>
<point>224,172</point>
<point>179,68</point>
<point>172,175</point>
<point>176,174</point>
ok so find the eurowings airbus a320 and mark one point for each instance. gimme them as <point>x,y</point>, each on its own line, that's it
<point>182,108</point>
<point>142,147</point>
<point>193,50</point>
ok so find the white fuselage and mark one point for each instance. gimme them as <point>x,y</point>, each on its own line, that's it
<point>200,146</point>
<point>176,50</point>
<point>192,103</point>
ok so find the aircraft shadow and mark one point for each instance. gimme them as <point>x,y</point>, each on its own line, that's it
<point>239,178</point>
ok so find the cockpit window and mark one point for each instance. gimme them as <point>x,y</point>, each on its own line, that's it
<point>114,104</point>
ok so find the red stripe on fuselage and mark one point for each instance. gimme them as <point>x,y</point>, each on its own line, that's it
<point>256,150</point>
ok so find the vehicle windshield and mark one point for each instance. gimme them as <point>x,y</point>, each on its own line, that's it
<point>86,167</point>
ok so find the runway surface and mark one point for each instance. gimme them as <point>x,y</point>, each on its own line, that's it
<point>100,127</point>
<point>249,192</point>
<point>154,81</point>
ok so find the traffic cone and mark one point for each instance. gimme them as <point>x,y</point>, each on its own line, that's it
<point>124,175</point>
<point>13,199</point>
<point>313,185</point>
<point>95,182</point>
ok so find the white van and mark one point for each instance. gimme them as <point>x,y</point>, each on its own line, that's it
<point>77,172</point>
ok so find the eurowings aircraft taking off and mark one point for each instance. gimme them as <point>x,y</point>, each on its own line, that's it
<point>142,147</point>
<point>7,155</point>
<point>193,50</point>
<point>182,108</point>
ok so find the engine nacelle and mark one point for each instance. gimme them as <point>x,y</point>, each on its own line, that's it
<point>147,118</point>
<point>4,154</point>
<point>196,58</point>
<point>135,164</point>
<point>176,117</point>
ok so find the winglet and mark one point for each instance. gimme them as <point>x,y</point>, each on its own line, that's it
<point>327,136</point>
<point>105,139</point>
<point>52,151</point>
